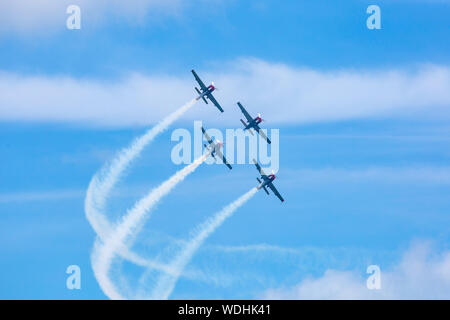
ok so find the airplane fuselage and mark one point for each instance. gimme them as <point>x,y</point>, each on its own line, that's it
<point>253,123</point>
<point>213,148</point>
<point>208,90</point>
<point>266,181</point>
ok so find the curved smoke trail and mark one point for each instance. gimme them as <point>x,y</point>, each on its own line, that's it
<point>104,181</point>
<point>111,238</point>
<point>166,283</point>
<point>105,251</point>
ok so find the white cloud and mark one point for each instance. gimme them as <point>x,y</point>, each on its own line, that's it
<point>136,99</point>
<point>41,196</point>
<point>282,93</point>
<point>49,16</point>
<point>422,273</point>
<point>305,95</point>
<point>384,175</point>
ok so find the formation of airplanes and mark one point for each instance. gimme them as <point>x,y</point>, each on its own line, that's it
<point>214,147</point>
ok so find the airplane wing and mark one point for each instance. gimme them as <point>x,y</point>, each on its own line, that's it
<point>200,82</point>
<point>258,129</point>
<point>213,100</point>
<point>225,162</point>
<point>258,167</point>
<point>275,191</point>
<point>208,138</point>
<point>246,114</point>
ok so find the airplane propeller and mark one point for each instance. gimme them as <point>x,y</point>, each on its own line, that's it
<point>259,116</point>
<point>273,174</point>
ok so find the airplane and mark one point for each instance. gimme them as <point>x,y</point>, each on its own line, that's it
<point>252,123</point>
<point>214,148</point>
<point>206,91</point>
<point>267,181</point>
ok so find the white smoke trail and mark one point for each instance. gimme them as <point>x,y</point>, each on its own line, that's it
<point>105,252</point>
<point>104,181</point>
<point>166,283</point>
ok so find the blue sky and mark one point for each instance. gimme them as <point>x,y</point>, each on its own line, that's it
<point>364,144</point>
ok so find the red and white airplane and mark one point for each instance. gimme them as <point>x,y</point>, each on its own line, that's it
<point>206,92</point>
<point>252,123</point>
<point>214,148</point>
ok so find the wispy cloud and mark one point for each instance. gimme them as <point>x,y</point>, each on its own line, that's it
<point>422,273</point>
<point>40,195</point>
<point>49,16</point>
<point>384,175</point>
<point>301,95</point>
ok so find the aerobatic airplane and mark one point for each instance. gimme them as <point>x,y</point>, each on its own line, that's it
<point>267,181</point>
<point>214,148</point>
<point>252,123</point>
<point>206,91</point>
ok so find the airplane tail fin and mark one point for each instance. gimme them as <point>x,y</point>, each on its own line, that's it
<point>243,122</point>
<point>265,190</point>
<point>258,180</point>
<point>198,91</point>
